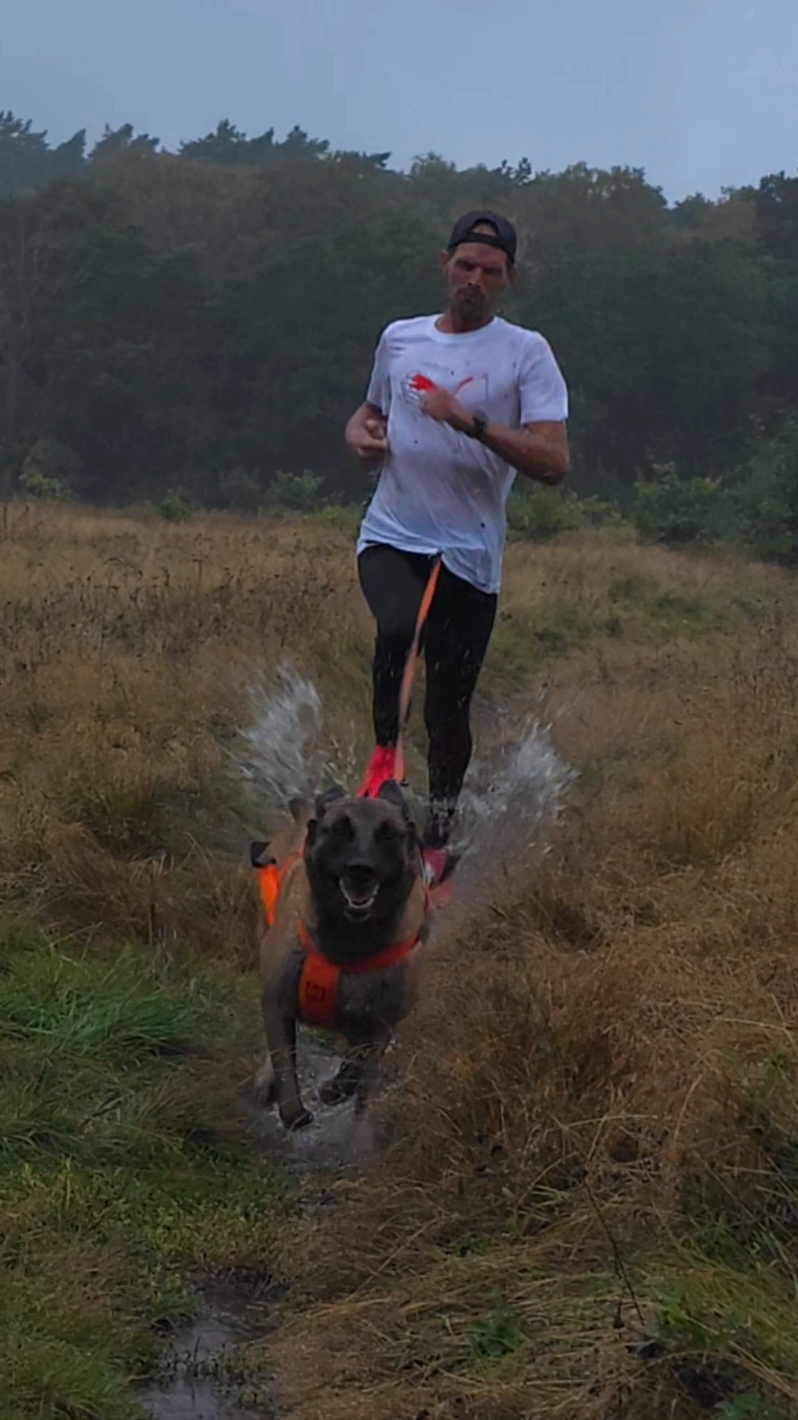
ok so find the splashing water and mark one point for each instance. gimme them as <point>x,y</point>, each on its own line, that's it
<point>508,807</point>
<point>517,793</point>
<point>281,754</point>
<point>510,800</point>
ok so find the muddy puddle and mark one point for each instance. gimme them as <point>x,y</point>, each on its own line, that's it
<point>199,1375</point>
<point>509,803</point>
<point>334,1143</point>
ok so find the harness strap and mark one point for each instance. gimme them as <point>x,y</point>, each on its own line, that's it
<point>390,956</point>
<point>270,879</point>
<point>318,987</point>
<point>318,984</point>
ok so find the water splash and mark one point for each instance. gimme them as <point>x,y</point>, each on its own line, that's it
<point>282,754</point>
<point>509,805</point>
<point>517,791</point>
<point>511,796</point>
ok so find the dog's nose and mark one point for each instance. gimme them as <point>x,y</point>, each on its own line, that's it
<point>362,870</point>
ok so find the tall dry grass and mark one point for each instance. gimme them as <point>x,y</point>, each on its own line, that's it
<point>587,1200</point>
<point>126,647</point>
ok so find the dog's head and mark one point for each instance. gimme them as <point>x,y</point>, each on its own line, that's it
<point>362,855</point>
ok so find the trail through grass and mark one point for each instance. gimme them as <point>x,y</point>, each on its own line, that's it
<point>587,1200</point>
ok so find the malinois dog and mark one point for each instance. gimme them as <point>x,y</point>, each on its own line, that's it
<point>346,918</point>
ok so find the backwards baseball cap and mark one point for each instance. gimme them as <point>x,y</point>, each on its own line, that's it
<point>503,236</point>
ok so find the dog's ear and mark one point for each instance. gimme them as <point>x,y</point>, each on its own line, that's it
<point>391,792</point>
<point>256,854</point>
<point>330,796</point>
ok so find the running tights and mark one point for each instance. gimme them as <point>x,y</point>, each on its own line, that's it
<point>455,641</point>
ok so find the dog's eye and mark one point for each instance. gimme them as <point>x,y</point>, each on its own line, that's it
<point>343,829</point>
<point>388,833</point>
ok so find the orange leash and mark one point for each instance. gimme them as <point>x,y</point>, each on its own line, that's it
<point>411,665</point>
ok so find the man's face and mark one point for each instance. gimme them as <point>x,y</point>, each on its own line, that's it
<point>476,275</point>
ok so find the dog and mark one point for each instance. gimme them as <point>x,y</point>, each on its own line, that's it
<point>346,918</point>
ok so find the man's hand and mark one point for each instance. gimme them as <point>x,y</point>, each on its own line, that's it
<point>538,450</point>
<point>366,436</point>
<point>446,408</point>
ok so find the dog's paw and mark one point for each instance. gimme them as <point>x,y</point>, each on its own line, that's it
<point>296,1119</point>
<point>340,1088</point>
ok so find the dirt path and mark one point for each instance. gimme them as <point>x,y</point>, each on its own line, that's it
<point>204,1374</point>
<point>513,790</point>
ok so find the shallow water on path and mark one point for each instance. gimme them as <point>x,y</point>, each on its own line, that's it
<point>512,797</point>
<point>199,1375</point>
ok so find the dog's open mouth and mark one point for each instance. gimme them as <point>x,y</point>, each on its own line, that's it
<point>359,896</point>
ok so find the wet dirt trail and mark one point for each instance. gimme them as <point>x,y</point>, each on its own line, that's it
<point>512,795</point>
<point>201,1376</point>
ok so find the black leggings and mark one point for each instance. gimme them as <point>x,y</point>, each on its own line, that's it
<point>456,638</point>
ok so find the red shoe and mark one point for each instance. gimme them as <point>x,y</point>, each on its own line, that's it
<point>380,770</point>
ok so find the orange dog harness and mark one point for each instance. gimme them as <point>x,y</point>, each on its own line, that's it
<point>318,984</point>
<point>270,878</point>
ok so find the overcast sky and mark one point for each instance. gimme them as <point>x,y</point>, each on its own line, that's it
<point>701,93</point>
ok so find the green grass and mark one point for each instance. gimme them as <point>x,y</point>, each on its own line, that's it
<point>122,1171</point>
<point>116,1171</point>
<point>635,608</point>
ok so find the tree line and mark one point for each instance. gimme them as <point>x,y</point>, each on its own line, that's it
<point>204,320</point>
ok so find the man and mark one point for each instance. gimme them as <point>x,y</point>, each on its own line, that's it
<point>457,405</point>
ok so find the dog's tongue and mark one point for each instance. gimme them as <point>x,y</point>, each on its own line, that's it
<point>359,896</point>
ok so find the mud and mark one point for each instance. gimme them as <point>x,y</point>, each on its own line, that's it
<point>199,1377</point>
<point>511,799</point>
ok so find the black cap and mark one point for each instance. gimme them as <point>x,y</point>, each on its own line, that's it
<point>503,235</point>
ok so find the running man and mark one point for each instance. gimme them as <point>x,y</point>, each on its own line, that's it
<point>457,405</point>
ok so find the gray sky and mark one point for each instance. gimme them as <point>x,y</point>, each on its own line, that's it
<point>700,93</point>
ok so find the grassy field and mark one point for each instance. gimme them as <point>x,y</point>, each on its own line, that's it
<point>588,1198</point>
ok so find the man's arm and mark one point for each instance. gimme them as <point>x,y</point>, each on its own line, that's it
<point>365,435</point>
<point>538,450</point>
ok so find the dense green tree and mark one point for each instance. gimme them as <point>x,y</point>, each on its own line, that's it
<point>202,319</point>
<point>229,145</point>
<point>776,205</point>
<point>26,160</point>
<point>116,141</point>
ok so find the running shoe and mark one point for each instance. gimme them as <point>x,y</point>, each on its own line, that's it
<point>380,770</point>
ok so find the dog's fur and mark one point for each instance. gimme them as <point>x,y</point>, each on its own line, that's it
<point>358,886</point>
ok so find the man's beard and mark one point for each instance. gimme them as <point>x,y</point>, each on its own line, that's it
<point>471,304</point>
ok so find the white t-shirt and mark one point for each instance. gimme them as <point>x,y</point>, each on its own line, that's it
<point>440,491</point>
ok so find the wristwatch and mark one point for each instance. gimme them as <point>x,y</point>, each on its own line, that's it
<point>480,424</point>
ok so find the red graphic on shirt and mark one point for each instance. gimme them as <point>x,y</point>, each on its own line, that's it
<point>423,384</point>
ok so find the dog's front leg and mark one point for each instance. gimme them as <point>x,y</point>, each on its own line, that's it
<point>369,1057</point>
<point>281,1038</point>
